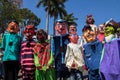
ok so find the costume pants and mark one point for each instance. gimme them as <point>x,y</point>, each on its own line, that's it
<point>11,69</point>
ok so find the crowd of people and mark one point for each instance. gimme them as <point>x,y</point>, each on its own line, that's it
<point>65,56</point>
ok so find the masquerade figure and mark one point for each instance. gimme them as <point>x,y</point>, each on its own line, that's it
<point>11,44</point>
<point>90,21</point>
<point>74,58</point>
<point>110,60</point>
<point>92,53</point>
<point>101,34</point>
<point>27,54</point>
<point>59,45</point>
<point>73,30</point>
<point>43,58</point>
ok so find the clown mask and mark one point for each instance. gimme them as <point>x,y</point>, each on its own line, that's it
<point>89,35</point>
<point>61,28</point>
<point>29,31</point>
<point>13,27</point>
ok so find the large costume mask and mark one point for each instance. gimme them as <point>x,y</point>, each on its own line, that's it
<point>72,29</point>
<point>90,19</point>
<point>61,27</point>
<point>101,28</point>
<point>41,36</point>
<point>110,27</point>
<point>13,27</point>
<point>110,30</point>
<point>89,34</point>
<point>29,31</point>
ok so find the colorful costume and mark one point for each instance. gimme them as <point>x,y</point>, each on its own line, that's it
<point>27,55</point>
<point>43,58</point>
<point>110,64</point>
<point>92,53</point>
<point>11,44</point>
<point>74,59</point>
<point>101,35</point>
<point>59,45</point>
<point>110,61</point>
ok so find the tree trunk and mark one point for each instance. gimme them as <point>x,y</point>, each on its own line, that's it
<point>54,25</point>
<point>47,22</point>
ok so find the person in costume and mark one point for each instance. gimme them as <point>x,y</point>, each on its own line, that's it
<point>92,52</point>
<point>110,60</point>
<point>90,21</point>
<point>43,57</point>
<point>11,44</point>
<point>101,35</point>
<point>27,54</point>
<point>74,58</point>
<point>73,30</point>
<point>59,46</point>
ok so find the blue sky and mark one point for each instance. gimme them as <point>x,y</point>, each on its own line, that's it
<point>102,10</point>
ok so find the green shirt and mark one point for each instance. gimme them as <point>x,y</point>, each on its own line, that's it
<point>11,44</point>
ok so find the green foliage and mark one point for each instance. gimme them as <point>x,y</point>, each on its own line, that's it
<point>70,19</point>
<point>9,11</point>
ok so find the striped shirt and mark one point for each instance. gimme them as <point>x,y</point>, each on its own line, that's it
<point>27,55</point>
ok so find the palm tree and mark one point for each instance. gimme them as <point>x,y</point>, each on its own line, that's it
<point>58,11</point>
<point>53,8</point>
<point>70,19</point>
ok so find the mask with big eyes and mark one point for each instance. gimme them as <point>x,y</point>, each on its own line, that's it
<point>29,31</point>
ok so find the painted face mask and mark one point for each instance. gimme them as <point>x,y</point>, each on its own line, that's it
<point>13,27</point>
<point>72,29</point>
<point>61,28</point>
<point>29,31</point>
<point>41,36</point>
<point>89,35</point>
<point>90,19</point>
<point>101,28</point>
<point>109,30</point>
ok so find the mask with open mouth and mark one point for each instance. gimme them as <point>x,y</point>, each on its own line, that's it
<point>89,34</point>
